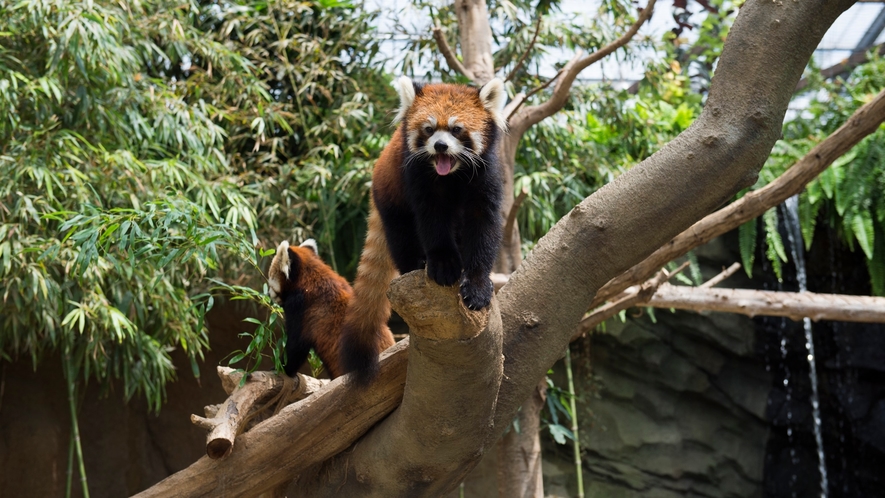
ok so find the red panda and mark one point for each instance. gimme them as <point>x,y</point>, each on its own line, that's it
<point>314,299</point>
<point>436,197</point>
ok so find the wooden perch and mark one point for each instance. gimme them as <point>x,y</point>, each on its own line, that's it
<point>261,389</point>
<point>303,434</point>
<point>793,305</point>
<point>441,430</point>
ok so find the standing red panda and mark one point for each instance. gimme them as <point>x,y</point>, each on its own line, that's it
<point>436,197</point>
<point>314,299</point>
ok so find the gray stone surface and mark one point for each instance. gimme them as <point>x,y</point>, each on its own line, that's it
<point>673,408</point>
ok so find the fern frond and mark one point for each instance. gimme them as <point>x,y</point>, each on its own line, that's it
<point>747,242</point>
<point>876,265</point>
<point>862,224</point>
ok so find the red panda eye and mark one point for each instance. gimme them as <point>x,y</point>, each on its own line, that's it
<point>456,130</point>
<point>428,130</point>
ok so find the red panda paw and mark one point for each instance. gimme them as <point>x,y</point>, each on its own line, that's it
<point>477,294</point>
<point>444,268</point>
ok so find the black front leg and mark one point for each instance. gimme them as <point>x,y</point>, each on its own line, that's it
<point>435,225</point>
<point>402,239</point>
<point>480,240</point>
<point>297,348</point>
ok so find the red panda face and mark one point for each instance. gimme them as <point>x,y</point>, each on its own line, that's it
<point>449,124</point>
<point>280,277</point>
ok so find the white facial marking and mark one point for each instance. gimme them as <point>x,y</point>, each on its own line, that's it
<point>478,146</point>
<point>455,146</point>
<point>452,121</point>
<point>444,136</point>
<point>406,90</point>
<point>311,244</point>
<point>431,122</point>
<point>412,139</point>
<point>283,254</point>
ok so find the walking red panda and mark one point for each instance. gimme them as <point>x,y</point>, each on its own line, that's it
<point>436,197</point>
<point>314,299</point>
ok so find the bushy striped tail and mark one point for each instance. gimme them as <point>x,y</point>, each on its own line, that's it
<point>365,334</point>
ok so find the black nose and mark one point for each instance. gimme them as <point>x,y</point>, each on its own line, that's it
<point>441,146</point>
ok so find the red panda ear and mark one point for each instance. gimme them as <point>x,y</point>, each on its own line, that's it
<point>407,90</point>
<point>310,244</point>
<point>493,96</point>
<point>281,258</point>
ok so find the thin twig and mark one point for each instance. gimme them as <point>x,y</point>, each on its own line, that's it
<point>640,295</point>
<point>448,53</point>
<point>722,276</point>
<point>525,54</point>
<point>557,100</point>
<point>511,216</point>
<point>534,91</point>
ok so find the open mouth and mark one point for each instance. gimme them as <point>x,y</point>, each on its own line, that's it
<point>444,163</point>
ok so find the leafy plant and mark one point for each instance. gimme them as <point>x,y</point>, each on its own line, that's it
<point>849,194</point>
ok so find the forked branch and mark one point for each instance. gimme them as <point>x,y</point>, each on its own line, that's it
<point>534,114</point>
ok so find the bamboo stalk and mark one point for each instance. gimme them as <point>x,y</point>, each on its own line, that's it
<point>576,443</point>
<point>75,425</point>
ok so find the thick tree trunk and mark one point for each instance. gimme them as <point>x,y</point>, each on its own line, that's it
<point>701,169</point>
<point>443,426</point>
<point>519,451</point>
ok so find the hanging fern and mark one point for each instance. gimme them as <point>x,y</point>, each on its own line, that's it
<point>849,195</point>
<point>747,239</point>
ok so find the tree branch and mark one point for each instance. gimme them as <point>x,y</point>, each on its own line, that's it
<point>301,435</point>
<point>261,390</point>
<point>441,429</point>
<point>631,298</point>
<point>793,305</point>
<point>862,123</point>
<point>511,216</point>
<point>525,54</point>
<point>722,276</point>
<point>625,221</point>
<point>449,54</point>
<point>534,114</point>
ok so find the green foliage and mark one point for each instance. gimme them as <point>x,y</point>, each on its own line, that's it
<point>142,141</point>
<point>850,194</point>
<point>558,405</point>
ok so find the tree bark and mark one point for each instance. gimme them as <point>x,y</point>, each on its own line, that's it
<point>609,232</point>
<point>227,420</point>
<point>623,222</point>
<point>442,428</point>
<point>476,40</point>
<point>793,305</point>
<point>519,451</point>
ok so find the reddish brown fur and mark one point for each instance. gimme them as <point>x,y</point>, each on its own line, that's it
<point>365,332</point>
<point>443,101</point>
<point>326,297</point>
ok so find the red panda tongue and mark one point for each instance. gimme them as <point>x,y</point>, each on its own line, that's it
<point>443,164</point>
